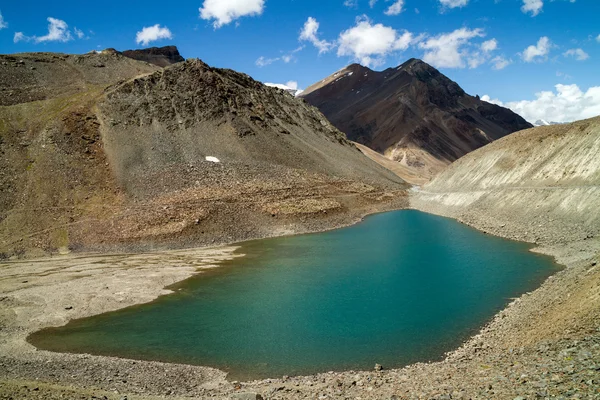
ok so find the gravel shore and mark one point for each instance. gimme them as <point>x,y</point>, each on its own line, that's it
<point>545,344</point>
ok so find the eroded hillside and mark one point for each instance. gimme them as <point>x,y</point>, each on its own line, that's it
<point>103,152</point>
<point>542,185</point>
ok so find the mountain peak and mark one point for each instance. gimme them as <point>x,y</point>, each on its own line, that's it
<point>412,113</point>
<point>418,68</point>
<point>357,68</point>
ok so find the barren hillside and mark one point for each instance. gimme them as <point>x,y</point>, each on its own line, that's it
<point>411,114</point>
<point>103,152</point>
<point>541,184</point>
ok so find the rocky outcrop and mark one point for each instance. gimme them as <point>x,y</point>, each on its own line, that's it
<point>160,56</point>
<point>412,114</point>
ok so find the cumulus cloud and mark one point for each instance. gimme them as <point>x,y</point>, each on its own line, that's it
<point>349,4</point>
<point>223,12</point>
<point>489,45</point>
<point>370,44</point>
<point>539,52</point>
<point>20,37</point>
<point>449,50</point>
<point>535,6</point>
<point>566,103</point>
<point>58,31</point>
<point>579,54</point>
<point>152,34</point>
<point>396,8</point>
<point>454,3</point>
<point>310,33</point>
<point>532,6</point>
<point>3,23</point>
<point>499,62</point>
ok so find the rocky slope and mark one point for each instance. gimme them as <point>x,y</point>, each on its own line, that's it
<point>103,152</point>
<point>542,185</point>
<point>160,56</point>
<point>412,114</point>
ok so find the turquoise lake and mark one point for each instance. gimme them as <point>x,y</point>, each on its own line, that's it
<point>398,288</point>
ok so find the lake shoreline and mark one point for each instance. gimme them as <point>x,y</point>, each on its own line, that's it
<point>512,339</point>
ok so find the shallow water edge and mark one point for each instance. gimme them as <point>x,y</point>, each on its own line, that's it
<point>454,339</point>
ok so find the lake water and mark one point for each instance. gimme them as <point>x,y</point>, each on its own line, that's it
<point>398,288</point>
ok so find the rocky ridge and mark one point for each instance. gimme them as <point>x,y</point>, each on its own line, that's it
<point>160,56</point>
<point>411,114</point>
<point>102,152</point>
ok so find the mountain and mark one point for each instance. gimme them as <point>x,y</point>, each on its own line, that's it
<point>161,56</point>
<point>542,184</point>
<point>101,152</point>
<point>412,114</point>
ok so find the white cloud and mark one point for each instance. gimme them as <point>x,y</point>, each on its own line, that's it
<point>598,39</point>
<point>372,3</point>
<point>479,57</point>
<point>152,34</point>
<point>395,8</point>
<point>293,85</point>
<point>579,54</point>
<point>535,6</point>
<point>564,75</point>
<point>309,33</point>
<point>538,52</point>
<point>448,50</point>
<point>263,61</point>
<point>532,6</point>
<point>351,3</point>
<point>79,33</point>
<point>566,104</point>
<point>289,57</point>
<point>58,31</point>
<point>286,58</point>
<point>20,37</point>
<point>3,23</point>
<point>499,62</point>
<point>370,44</point>
<point>489,45</point>
<point>454,3</point>
<point>226,11</point>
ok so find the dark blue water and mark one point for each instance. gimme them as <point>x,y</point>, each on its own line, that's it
<point>398,288</point>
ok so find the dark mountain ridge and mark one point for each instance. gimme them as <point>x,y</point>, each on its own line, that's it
<point>161,56</point>
<point>412,114</point>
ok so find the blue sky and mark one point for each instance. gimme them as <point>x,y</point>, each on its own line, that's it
<point>514,51</point>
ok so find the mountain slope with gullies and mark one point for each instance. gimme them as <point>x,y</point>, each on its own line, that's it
<point>100,152</point>
<point>411,114</point>
<point>541,184</point>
